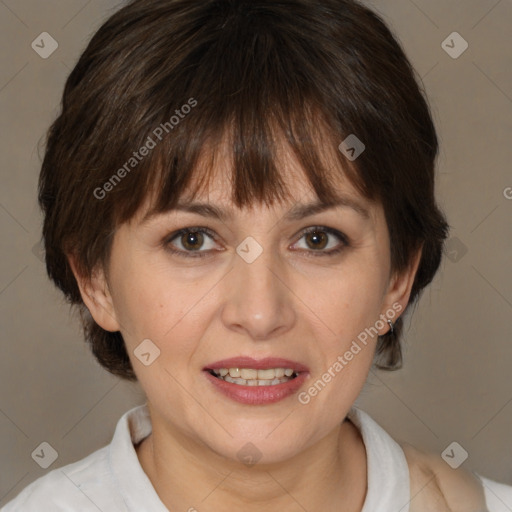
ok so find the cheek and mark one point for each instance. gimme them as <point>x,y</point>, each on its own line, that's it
<point>345,339</point>
<point>159,304</point>
<point>350,300</point>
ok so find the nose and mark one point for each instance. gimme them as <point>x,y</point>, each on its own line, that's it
<point>259,301</point>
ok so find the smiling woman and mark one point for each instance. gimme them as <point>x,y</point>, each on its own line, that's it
<point>256,261</point>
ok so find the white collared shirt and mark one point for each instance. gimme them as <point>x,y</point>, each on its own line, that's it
<point>111,479</point>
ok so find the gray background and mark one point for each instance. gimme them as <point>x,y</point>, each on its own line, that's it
<point>457,381</point>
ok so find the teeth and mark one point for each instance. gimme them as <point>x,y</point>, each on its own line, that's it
<point>247,374</point>
<point>266,374</point>
<point>253,377</point>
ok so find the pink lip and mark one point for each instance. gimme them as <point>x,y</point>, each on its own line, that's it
<point>257,395</point>
<point>257,364</point>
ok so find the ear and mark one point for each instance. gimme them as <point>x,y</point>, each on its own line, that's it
<point>96,296</point>
<point>399,288</point>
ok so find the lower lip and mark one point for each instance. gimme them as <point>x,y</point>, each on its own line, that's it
<point>257,395</point>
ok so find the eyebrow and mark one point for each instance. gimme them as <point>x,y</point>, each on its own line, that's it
<point>297,212</point>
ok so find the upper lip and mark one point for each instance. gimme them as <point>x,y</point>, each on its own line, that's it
<point>257,364</point>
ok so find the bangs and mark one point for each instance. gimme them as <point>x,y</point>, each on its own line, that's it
<point>253,147</point>
<point>251,143</point>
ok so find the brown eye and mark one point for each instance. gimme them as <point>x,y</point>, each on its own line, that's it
<point>192,240</point>
<point>323,241</point>
<point>316,239</point>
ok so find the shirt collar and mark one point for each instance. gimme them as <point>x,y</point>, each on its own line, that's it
<point>137,490</point>
<point>388,485</point>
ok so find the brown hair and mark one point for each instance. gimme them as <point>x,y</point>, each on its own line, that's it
<point>172,76</point>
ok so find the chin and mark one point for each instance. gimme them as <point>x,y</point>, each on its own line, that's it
<point>260,443</point>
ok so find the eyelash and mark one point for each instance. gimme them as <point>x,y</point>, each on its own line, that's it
<point>167,243</point>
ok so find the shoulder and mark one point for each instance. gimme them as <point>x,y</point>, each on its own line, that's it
<point>436,487</point>
<point>71,487</point>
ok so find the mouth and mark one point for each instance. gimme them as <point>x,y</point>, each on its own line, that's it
<point>256,382</point>
<point>255,377</point>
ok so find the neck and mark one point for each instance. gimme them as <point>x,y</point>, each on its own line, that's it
<point>330,475</point>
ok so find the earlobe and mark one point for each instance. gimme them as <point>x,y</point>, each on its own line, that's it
<point>96,296</point>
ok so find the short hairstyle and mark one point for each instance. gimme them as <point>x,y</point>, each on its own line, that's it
<point>176,76</point>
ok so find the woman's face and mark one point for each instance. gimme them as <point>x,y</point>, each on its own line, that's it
<point>255,287</point>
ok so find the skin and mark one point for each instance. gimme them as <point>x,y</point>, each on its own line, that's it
<point>435,487</point>
<point>287,303</point>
